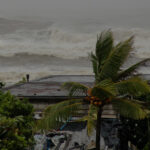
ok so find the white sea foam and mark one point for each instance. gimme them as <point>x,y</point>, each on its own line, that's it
<point>64,44</point>
<point>50,41</point>
<point>55,50</point>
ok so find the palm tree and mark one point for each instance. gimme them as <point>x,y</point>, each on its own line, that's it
<point>112,85</point>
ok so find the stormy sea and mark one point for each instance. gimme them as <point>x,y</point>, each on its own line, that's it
<point>59,47</point>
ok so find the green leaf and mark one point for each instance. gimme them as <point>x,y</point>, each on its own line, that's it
<point>104,46</point>
<point>134,86</point>
<point>116,59</point>
<point>90,118</point>
<point>131,70</point>
<point>104,89</point>
<point>94,61</point>
<point>59,113</point>
<point>108,85</point>
<point>130,108</point>
<point>75,89</point>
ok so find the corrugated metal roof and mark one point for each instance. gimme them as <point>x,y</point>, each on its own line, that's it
<point>65,78</point>
<point>48,86</point>
<point>51,86</point>
<point>49,90</point>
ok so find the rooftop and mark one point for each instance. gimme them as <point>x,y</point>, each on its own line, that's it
<point>49,86</point>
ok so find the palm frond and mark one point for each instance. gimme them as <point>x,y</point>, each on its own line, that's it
<point>108,85</point>
<point>130,108</point>
<point>59,113</point>
<point>75,88</point>
<point>131,70</point>
<point>94,61</point>
<point>90,118</point>
<point>134,86</point>
<point>103,92</point>
<point>116,59</point>
<point>104,46</point>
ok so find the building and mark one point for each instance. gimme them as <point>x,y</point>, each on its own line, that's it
<point>47,91</point>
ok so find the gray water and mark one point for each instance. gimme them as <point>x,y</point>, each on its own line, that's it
<point>56,37</point>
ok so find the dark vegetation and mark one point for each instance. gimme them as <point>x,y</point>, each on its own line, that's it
<point>16,123</point>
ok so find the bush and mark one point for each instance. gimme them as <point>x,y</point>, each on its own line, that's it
<point>16,122</point>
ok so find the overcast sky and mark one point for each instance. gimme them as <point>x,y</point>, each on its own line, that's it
<point>56,8</point>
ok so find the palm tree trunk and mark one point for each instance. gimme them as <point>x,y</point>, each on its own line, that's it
<point>98,127</point>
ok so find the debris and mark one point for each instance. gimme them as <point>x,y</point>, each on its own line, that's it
<point>91,146</point>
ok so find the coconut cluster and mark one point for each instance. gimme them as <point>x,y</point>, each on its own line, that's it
<point>95,100</point>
